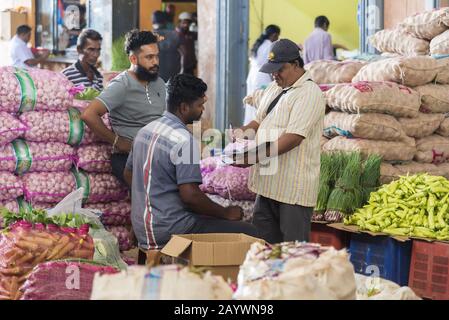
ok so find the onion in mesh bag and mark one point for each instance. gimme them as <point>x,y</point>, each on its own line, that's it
<point>63,126</point>
<point>11,186</point>
<point>114,213</point>
<point>95,158</point>
<point>247,206</point>
<point>22,157</point>
<point>11,128</point>
<point>232,183</point>
<point>47,90</point>
<point>124,237</point>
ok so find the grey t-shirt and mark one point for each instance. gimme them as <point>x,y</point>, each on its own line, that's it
<point>129,107</point>
<point>164,156</point>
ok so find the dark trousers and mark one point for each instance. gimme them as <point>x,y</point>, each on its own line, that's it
<point>277,222</point>
<point>213,225</point>
<point>118,163</point>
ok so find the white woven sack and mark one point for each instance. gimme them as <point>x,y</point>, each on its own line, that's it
<point>328,72</point>
<point>399,42</point>
<point>422,126</point>
<point>427,25</point>
<point>374,97</point>
<point>409,71</point>
<point>433,149</point>
<point>434,98</point>
<point>389,150</point>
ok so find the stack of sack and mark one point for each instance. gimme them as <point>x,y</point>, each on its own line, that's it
<point>228,185</point>
<point>397,107</point>
<point>46,150</point>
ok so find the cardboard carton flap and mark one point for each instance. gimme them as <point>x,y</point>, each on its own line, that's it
<point>176,246</point>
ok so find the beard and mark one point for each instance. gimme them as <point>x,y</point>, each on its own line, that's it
<point>146,75</point>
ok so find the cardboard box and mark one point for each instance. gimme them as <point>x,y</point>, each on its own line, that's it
<point>9,21</point>
<point>221,253</point>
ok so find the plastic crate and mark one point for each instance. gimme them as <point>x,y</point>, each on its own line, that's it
<point>328,236</point>
<point>381,256</point>
<point>429,270</point>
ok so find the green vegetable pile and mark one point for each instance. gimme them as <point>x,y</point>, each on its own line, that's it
<point>41,216</point>
<point>346,181</point>
<point>88,94</point>
<point>411,206</point>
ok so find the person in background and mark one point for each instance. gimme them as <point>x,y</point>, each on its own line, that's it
<point>84,72</point>
<point>133,99</point>
<point>318,46</point>
<point>290,119</point>
<point>188,38</point>
<point>20,54</point>
<point>169,48</point>
<point>165,174</point>
<point>259,56</point>
<point>170,14</point>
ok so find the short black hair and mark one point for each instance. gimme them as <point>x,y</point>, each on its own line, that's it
<point>321,21</point>
<point>298,60</point>
<point>23,29</point>
<point>88,34</point>
<point>184,88</point>
<point>135,39</point>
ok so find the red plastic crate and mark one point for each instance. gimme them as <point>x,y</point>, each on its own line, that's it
<point>429,270</point>
<point>328,236</point>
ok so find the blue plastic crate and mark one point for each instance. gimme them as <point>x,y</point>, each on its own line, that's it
<point>381,255</point>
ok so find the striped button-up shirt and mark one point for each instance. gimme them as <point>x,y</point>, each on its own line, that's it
<point>292,177</point>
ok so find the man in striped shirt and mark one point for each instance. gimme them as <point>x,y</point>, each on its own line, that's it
<point>83,72</point>
<point>290,118</point>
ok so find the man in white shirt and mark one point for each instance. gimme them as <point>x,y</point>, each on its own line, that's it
<point>21,55</point>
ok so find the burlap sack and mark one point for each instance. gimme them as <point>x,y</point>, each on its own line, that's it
<point>374,97</point>
<point>443,72</point>
<point>388,173</point>
<point>439,46</point>
<point>422,126</point>
<point>409,71</point>
<point>389,150</point>
<point>434,98</point>
<point>417,168</point>
<point>325,71</point>
<point>427,25</point>
<point>444,169</point>
<point>373,126</point>
<point>433,149</point>
<point>398,41</point>
<point>443,130</point>
<point>323,141</point>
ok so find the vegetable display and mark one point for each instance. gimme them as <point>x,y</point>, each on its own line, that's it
<point>28,241</point>
<point>411,206</point>
<point>11,186</point>
<point>113,213</point>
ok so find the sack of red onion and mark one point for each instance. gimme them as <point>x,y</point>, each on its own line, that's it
<point>124,237</point>
<point>33,90</point>
<point>229,182</point>
<point>10,128</point>
<point>113,213</point>
<point>53,187</point>
<point>22,157</point>
<point>11,186</point>
<point>95,158</point>
<point>64,126</point>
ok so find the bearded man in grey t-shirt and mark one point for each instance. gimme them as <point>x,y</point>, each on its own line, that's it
<point>133,99</point>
